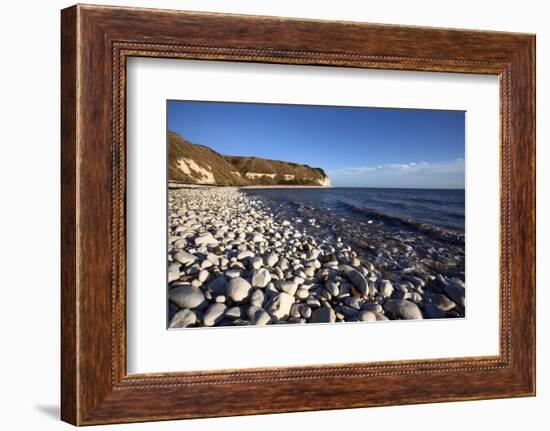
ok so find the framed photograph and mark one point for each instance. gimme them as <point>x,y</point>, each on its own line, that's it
<point>267,215</point>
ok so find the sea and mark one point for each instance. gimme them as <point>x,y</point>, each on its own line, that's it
<point>440,208</point>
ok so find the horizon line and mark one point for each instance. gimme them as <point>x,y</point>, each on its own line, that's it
<point>395,187</point>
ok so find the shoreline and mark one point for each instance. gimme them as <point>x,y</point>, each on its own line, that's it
<point>188,185</point>
<point>173,185</point>
<point>233,260</point>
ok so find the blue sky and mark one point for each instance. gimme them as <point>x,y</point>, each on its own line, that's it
<point>357,147</point>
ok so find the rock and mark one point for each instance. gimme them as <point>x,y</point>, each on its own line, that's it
<point>258,237</point>
<point>173,276</point>
<point>238,289</point>
<point>174,267</point>
<point>302,293</point>
<point>366,316</point>
<point>431,311</point>
<point>372,290</point>
<point>203,275</point>
<point>309,272</point>
<point>401,308</point>
<point>295,310</point>
<point>331,257</point>
<point>298,280</point>
<point>271,259</point>
<point>206,264</point>
<point>220,299</point>
<point>183,319</point>
<point>443,302</point>
<point>313,254</point>
<point>180,243</point>
<point>279,306</point>
<point>456,293</point>
<point>376,308</point>
<point>234,313</point>
<point>186,296</point>
<point>233,273</point>
<point>205,238</point>
<point>184,258</point>
<point>345,289</point>
<point>353,302</point>
<point>261,277</point>
<point>325,294</point>
<point>237,265</point>
<point>245,254</point>
<point>283,264</point>
<point>333,288</point>
<point>279,273</point>
<point>258,316</point>
<point>212,258</point>
<point>172,310</point>
<point>256,262</point>
<point>380,316</point>
<point>218,285</point>
<point>356,278</point>
<point>348,311</point>
<point>416,297</point>
<point>386,288</point>
<point>289,287</point>
<point>257,298</point>
<point>323,315</point>
<point>214,314</point>
<point>313,302</point>
<point>305,311</point>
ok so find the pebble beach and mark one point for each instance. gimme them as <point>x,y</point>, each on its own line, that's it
<point>237,259</point>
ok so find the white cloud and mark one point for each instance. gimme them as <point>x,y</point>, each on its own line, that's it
<point>418,168</point>
<point>417,174</point>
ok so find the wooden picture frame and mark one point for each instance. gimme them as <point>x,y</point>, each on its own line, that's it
<point>95,43</point>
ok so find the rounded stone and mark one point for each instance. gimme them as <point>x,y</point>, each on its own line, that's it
<point>183,319</point>
<point>256,262</point>
<point>233,273</point>
<point>376,308</point>
<point>431,311</point>
<point>261,277</point>
<point>353,302</point>
<point>205,239</point>
<point>203,275</point>
<point>245,254</point>
<point>279,306</point>
<point>184,258</point>
<point>238,289</point>
<point>386,288</point>
<point>356,278</point>
<point>271,259</point>
<point>234,313</point>
<point>186,296</point>
<point>333,288</point>
<point>366,316</point>
<point>214,314</point>
<point>173,276</point>
<point>403,309</point>
<point>456,292</point>
<point>218,284</point>
<point>443,302</point>
<point>289,287</point>
<point>323,315</point>
<point>302,293</point>
<point>257,298</point>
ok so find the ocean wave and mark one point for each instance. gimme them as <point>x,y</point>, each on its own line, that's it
<point>425,227</point>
